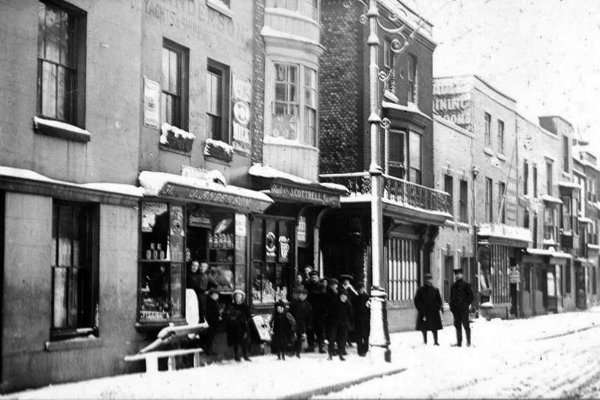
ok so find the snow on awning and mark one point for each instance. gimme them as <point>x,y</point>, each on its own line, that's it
<point>287,187</point>
<point>548,252</point>
<point>501,231</point>
<point>551,199</point>
<point>585,220</point>
<point>568,184</point>
<point>25,175</point>
<point>204,191</point>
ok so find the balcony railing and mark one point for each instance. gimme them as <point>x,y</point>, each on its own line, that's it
<point>396,190</point>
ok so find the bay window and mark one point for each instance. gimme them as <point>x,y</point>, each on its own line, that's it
<point>402,143</point>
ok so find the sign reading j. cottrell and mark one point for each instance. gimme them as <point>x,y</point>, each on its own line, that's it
<point>306,195</point>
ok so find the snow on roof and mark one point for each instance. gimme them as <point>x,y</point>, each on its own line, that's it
<point>270,32</point>
<point>266,171</point>
<point>551,199</point>
<point>411,108</point>
<point>61,125</point>
<point>153,182</point>
<point>505,231</point>
<point>586,220</point>
<point>548,252</point>
<point>118,188</point>
<point>334,186</point>
<point>424,210</point>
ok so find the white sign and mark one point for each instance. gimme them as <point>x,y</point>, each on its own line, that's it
<point>301,232</point>
<point>242,89</point>
<point>151,103</point>
<point>240,225</point>
<point>514,276</point>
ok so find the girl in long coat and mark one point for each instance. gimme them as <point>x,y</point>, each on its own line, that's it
<point>283,326</point>
<point>238,320</point>
<point>429,304</point>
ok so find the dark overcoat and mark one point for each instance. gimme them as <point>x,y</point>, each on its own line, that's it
<point>461,297</point>
<point>362,315</point>
<point>302,313</point>
<point>238,319</point>
<point>284,327</point>
<point>428,303</point>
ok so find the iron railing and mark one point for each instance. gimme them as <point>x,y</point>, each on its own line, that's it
<point>396,190</point>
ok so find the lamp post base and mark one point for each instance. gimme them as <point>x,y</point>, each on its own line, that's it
<point>379,338</point>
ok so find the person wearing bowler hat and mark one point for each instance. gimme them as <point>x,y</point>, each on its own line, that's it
<point>283,326</point>
<point>340,321</point>
<point>429,304</point>
<point>461,296</point>
<point>317,297</point>
<point>238,320</point>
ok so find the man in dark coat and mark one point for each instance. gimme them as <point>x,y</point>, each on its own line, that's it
<point>346,284</point>
<point>317,299</point>
<point>301,310</point>
<point>238,320</point>
<point>213,318</point>
<point>461,296</point>
<point>340,321</point>
<point>199,280</point>
<point>429,304</point>
<point>362,320</point>
<point>283,326</point>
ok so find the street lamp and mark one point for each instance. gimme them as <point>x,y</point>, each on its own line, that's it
<point>379,338</point>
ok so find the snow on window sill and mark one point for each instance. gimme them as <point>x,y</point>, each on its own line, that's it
<point>501,157</point>
<point>60,130</point>
<point>488,151</point>
<point>220,7</point>
<point>219,150</point>
<point>74,344</point>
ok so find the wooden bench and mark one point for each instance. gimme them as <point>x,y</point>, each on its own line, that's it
<point>151,358</point>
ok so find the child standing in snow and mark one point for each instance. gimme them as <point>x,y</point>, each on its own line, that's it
<point>283,327</point>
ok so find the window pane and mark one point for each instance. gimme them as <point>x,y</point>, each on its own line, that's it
<point>41,28</point>
<point>59,306</point>
<point>293,73</point>
<point>61,93</point>
<point>173,72</point>
<point>74,298</point>
<point>281,72</point>
<point>165,69</point>
<point>48,90</point>
<point>292,93</point>
<point>64,39</point>
<point>155,291</point>
<point>280,92</point>
<point>65,234</point>
<point>176,290</point>
<point>52,34</point>
<point>415,150</point>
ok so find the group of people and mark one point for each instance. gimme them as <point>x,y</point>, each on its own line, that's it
<point>429,306</point>
<point>321,309</point>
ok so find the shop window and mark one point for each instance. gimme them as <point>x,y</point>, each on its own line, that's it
<point>404,268</point>
<point>463,202</point>
<point>61,62</point>
<point>217,102</point>
<point>272,259</point>
<point>74,269</point>
<point>161,282</point>
<point>174,96</point>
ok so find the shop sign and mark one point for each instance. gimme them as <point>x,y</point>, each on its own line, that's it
<point>199,219</point>
<point>270,247</point>
<point>240,225</point>
<point>214,198</point>
<point>301,231</point>
<point>284,248</point>
<point>153,315</point>
<point>305,195</point>
<point>241,98</point>
<point>241,138</point>
<point>514,275</point>
<point>151,103</point>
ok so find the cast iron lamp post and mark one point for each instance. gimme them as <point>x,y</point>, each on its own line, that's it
<point>379,338</point>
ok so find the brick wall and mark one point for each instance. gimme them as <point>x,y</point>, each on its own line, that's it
<point>341,76</point>
<point>258,82</point>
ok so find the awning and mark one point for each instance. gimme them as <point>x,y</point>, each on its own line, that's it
<point>285,187</point>
<point>550,256</point>
<point>551,199</point>
<point>203,191</point>
<point>504,234</point>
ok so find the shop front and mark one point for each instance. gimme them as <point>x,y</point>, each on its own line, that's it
<point>286,238</point>
<point>185,219</point>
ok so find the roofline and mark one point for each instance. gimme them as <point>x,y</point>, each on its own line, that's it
<point>481,80</point>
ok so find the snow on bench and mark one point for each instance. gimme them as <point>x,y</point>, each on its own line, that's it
<point>152,357</point>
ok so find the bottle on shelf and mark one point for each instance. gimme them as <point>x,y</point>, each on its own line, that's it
<point>151,252</point>
<point>154,251</point>
<point>161,253</point>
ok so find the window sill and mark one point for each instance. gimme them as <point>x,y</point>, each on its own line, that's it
<point>220,7</point>
<point>488,151</point>
<point>501,157</point>
<point>60,130</point>
<point>74,344</point>
<point>462,225</point>
<point>171,150</point>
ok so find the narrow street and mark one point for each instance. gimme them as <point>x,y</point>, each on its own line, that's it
<point>553,356</point>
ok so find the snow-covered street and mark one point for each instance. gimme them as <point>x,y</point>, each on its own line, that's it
<point>550,356</point>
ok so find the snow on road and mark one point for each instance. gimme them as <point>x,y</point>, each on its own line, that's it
<point>549,356</point>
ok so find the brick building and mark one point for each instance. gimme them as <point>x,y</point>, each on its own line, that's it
<point>412,209</point>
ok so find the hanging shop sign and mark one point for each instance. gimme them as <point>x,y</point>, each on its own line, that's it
<point>284,248</point>
<point>151,103</point>
<point>304,194</point>
<point>199,218</point>
<point>514,275</point>
<point>241,99</point>
<point>301,231</point>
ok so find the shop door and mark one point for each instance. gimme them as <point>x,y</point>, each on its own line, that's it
<point>580,298</point>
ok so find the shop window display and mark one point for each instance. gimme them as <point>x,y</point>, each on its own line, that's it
<point>272,259</point>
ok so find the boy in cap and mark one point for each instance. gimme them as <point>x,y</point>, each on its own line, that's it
<point>301,310</point>
<point>283,326</point>
<point>341,320</point>
<point>238,325</point>
<point>461,297</point>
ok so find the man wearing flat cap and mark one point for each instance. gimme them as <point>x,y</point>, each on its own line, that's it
<point>461,296</point>
<point>429,304</point>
